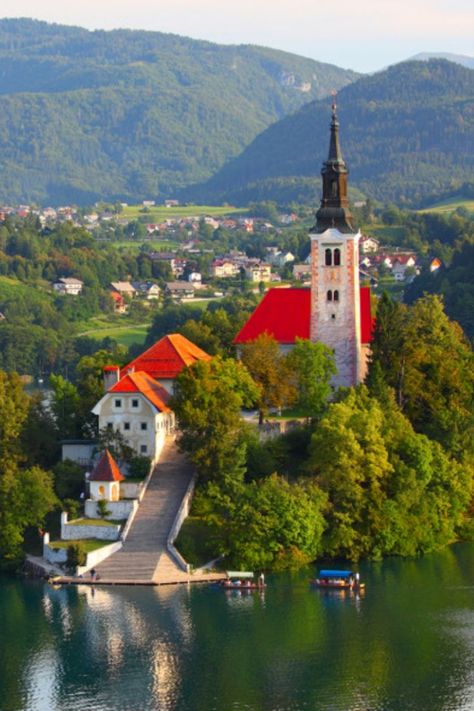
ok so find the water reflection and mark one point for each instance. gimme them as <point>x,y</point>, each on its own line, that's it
<point>407,644</point>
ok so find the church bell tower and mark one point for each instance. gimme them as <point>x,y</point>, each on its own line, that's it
<point>335,291</point>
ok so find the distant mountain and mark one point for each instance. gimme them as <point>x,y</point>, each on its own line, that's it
<point>462,59</point>
<point>406,132</point>
<point>131,114</point>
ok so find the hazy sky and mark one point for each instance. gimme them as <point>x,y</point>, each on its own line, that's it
<point>361,34</point>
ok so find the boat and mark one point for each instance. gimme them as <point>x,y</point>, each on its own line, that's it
<point>338,580</point>
<point>242,580</point>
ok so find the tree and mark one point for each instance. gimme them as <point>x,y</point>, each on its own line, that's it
<point>313,366</point>
<point>270,371</point>
<point>207,400</point>
<point>268,523</point>
<point>390,489</point>
<point>65,406</point>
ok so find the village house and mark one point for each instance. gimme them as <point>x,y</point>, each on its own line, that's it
<point>124,288</point>
<point>301,272</point>
<point>258,272</point>
<point>180,290</point>
<point>163,361</point>
<point>147,289</point>
<point>279,259</point>
<point>136,406</point>
<point>368,244</point>
<point>68,285</point>
<point>223,269</point>
<point>119,302</point>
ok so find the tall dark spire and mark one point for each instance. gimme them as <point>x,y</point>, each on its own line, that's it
<point>334,210</point>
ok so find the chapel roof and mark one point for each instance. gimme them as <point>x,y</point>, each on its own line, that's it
<point>143,384</point>
<point>106,469</point>
<point>285,315</point>
<point>167,358</point>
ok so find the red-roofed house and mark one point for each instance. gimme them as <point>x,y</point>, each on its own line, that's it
<point>166,359</point>
<point>137,407</point>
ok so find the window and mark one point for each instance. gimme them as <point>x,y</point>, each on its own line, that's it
<point>336,295</point>
<point>329,296</point>
<point>117,403</point>
<point>328,257</point>
<point>143,449</point>
<point>333,316</point>
<point>337,257</point>
<point>134,403</point>
<point>109,425</point>
<point>126,425</point>
<point>143,425</point>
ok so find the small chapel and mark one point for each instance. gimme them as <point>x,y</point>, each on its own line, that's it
<point>335,309</point>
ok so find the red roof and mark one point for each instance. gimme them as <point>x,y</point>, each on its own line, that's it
<point>285,315</point>
<point>145,385</point>
<point>106,469</point>
<point>167,358</point>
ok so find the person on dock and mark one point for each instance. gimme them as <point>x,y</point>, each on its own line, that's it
<point>93,574</point>
<point>261,580</point>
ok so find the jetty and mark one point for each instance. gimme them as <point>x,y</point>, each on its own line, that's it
<point>146,557</point>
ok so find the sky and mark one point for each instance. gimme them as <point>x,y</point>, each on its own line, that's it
<point>364,35</point>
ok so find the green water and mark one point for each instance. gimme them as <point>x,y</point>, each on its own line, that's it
<point>408,644</point>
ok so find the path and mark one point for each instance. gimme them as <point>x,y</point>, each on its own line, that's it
<point>144,558</point>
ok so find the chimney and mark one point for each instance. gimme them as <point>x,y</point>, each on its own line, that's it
<point>111,376</point>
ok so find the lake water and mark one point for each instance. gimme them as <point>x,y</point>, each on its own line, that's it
<point>407,644</point>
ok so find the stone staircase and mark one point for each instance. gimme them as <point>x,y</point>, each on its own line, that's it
<point>144,556</point>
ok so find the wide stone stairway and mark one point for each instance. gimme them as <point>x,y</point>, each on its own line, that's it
<point>144,556</point>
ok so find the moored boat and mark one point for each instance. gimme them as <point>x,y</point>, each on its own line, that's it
<point>338,580</point>
<point>243,580</point>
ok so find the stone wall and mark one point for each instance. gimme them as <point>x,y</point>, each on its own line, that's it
<point>53,555</point>
<point>130,490</point>
<point>72,532</point>
<point>98,556</point>
<point>119,510</point>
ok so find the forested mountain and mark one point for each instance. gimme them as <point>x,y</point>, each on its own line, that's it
<point>133,114</point>
<point>406,132</point>
<point>463,59</point>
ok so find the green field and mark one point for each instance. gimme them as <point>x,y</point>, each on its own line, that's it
<point>450,205</point>
<point>133,247</point>
<point>159,212</point>
<point>125,335</point>
<point>393,234</point>
<point>11,288</point>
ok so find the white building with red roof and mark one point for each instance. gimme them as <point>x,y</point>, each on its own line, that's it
<point>105,478</point>
<point>136,405</point>
<point>335,309</point>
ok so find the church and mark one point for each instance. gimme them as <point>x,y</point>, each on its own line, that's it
<point>335,309</point>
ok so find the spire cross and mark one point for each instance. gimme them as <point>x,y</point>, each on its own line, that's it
<point>334,104</point>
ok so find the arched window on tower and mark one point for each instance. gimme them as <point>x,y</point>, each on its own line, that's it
<point>336,295</point>
<point>328,257</point>
<point>337,257</point>
<point>329,296</point>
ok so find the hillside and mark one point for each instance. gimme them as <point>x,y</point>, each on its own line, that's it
<point>406,132</point>
<point>133,114</point>
<point>463,59</point>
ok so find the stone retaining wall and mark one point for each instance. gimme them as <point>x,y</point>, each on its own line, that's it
<point>118,509</point>
<point>71,532</point>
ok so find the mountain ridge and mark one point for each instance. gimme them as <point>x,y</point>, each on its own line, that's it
<point>128,114</point>
<point>406,132</point>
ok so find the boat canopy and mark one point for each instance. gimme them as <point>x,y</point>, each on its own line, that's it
<point>242,575</point>
<point>335,573</point>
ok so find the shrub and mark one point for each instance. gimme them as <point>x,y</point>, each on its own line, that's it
<point>72,508</point>
<point>102,508</point>
<point>76,555</point>
<point>139,466</point>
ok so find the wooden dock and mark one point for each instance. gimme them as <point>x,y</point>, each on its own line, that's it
<point>190,579</point>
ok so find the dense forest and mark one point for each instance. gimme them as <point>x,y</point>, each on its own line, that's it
<point>133,114</point>
<point>406,132</point>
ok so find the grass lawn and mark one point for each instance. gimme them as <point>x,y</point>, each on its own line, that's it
<point>385,233</point>
<point>291,413</point>
<point>447,206</point>
<point>90,544</point>
<point>95,522</point>
<point>193,542</point>
<point>159,212</point>
<point>125,335</point>
<point>133,246</point>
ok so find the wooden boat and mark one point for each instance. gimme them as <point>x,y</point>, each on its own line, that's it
<point>241,580</point>
<point>338,580</point>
